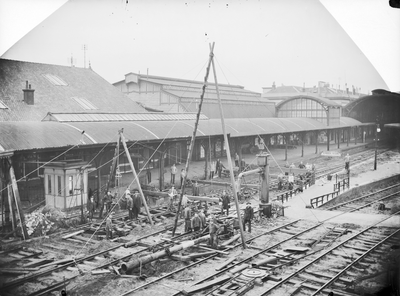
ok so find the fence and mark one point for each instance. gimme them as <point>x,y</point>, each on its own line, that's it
<point>284,196</point>
<point>320,200</point>
<point>341,185</point>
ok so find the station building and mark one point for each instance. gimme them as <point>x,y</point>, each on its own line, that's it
<point>56,118</point>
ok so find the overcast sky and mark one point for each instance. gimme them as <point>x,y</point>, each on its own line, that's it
<point>256,42</point>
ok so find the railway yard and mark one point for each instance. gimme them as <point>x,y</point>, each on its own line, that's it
<point>347,245</point>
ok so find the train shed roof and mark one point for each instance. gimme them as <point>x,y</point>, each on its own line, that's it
<point>18,136</point>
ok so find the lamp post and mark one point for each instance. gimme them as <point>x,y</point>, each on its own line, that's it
<point>262,162</point>
<point>377,130</point>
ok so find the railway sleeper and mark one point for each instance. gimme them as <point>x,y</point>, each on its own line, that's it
<point>312,278</point>
<point>359,248</point>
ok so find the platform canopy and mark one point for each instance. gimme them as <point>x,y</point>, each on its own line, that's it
<point>15,136</point>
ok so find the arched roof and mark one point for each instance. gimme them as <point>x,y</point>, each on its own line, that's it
<point>15,136</point>
<point>323,101</point>
<point>377,94</point>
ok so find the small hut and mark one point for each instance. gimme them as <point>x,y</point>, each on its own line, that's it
<point>66,183</point>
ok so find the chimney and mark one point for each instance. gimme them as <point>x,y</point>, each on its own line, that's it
<point>28,94</point>
<point>273,85</point>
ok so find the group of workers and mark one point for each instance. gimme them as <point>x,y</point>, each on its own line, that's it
<point>301,165</point>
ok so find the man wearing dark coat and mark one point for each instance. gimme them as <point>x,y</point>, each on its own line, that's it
<point>137,204</point>
<point>91,208</point>
<point>129,205</point>
<point>248,216</point>
<point>225,203</point>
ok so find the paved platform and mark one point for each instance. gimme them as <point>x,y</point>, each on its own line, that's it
<point>296,207</point>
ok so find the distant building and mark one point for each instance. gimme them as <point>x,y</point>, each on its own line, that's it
<point>179,95</point>
<point>324,90</point>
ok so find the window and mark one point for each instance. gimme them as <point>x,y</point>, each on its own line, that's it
<point>55,80</point>
<point>49,187</point>
<point>85,104</point>
<point>59,186</point>
<point>70,185</point>
<point>3,106</point>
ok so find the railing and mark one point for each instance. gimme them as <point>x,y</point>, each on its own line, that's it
<point>341,185</point>
<point>284,196</point>
<point>320,200</point>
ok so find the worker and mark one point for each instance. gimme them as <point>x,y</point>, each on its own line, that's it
<point>183,176</point>
<point>292,166</point>
<point>301,165</point>
<point>91,208</point>
<point>196,222</point>
<point>248,216</point>
<point>217,168</point>
<point>202,218</point>
<point>187,215</point>
<point>129,205</point>
<point>196,189</point>
<point>347,162</point>
<point>108,198</point>
<point>173,173</point>
<point>236,160</point>
<point>287,165</point>
<point>213,230</point>
<point>212,169</point>
<point>109,226</point>
<point>225,203</point>
<point>137,204</point>
<point>235,225</point>
<point>308,166</point>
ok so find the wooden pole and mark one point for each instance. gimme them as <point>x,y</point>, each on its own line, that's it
<point>12,213</point>
<point>81,185</point>
<point>18,202</point>
<point>189,156</point>
<point>228,152</point>
<point>135,175</point>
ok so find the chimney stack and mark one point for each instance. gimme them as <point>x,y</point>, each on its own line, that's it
<point>29,94</point>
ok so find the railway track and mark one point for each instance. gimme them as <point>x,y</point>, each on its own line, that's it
<point>40,269</point>
<point>269,269</point>
<point>265,260</point>
<point>337,166</point>
<point>350,258</point>
<point>24,267</point>
<point>389,193</point>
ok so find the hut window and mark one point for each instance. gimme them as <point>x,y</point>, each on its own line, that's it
<point>71,185</point>
<point>49,184</point>
<point>59,185</point>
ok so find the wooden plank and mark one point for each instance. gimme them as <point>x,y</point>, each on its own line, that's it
<point>205,285</point>
<point>73,234</point>
<point>226,263</point>
<point>100,271</point>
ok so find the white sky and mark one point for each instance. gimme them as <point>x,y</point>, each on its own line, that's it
<point>257,42</point>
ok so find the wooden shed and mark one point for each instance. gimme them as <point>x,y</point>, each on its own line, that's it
<point>66,183</point>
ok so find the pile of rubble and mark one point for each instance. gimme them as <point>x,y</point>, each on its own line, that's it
<point>42,221</point>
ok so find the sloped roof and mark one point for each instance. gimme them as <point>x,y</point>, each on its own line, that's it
<point>40,135</point>
<point>109,117</point>
<point>78,83</point>
<point>238,109</point>
<point>231,95</point>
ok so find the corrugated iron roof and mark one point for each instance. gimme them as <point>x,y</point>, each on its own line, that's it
<point>103,117</point>
<point>40,135</point>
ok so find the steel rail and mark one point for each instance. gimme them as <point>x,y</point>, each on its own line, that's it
<point>205,259</point>
<point>354,262</point>
<point>361,197</point>
<point>324,254</point>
